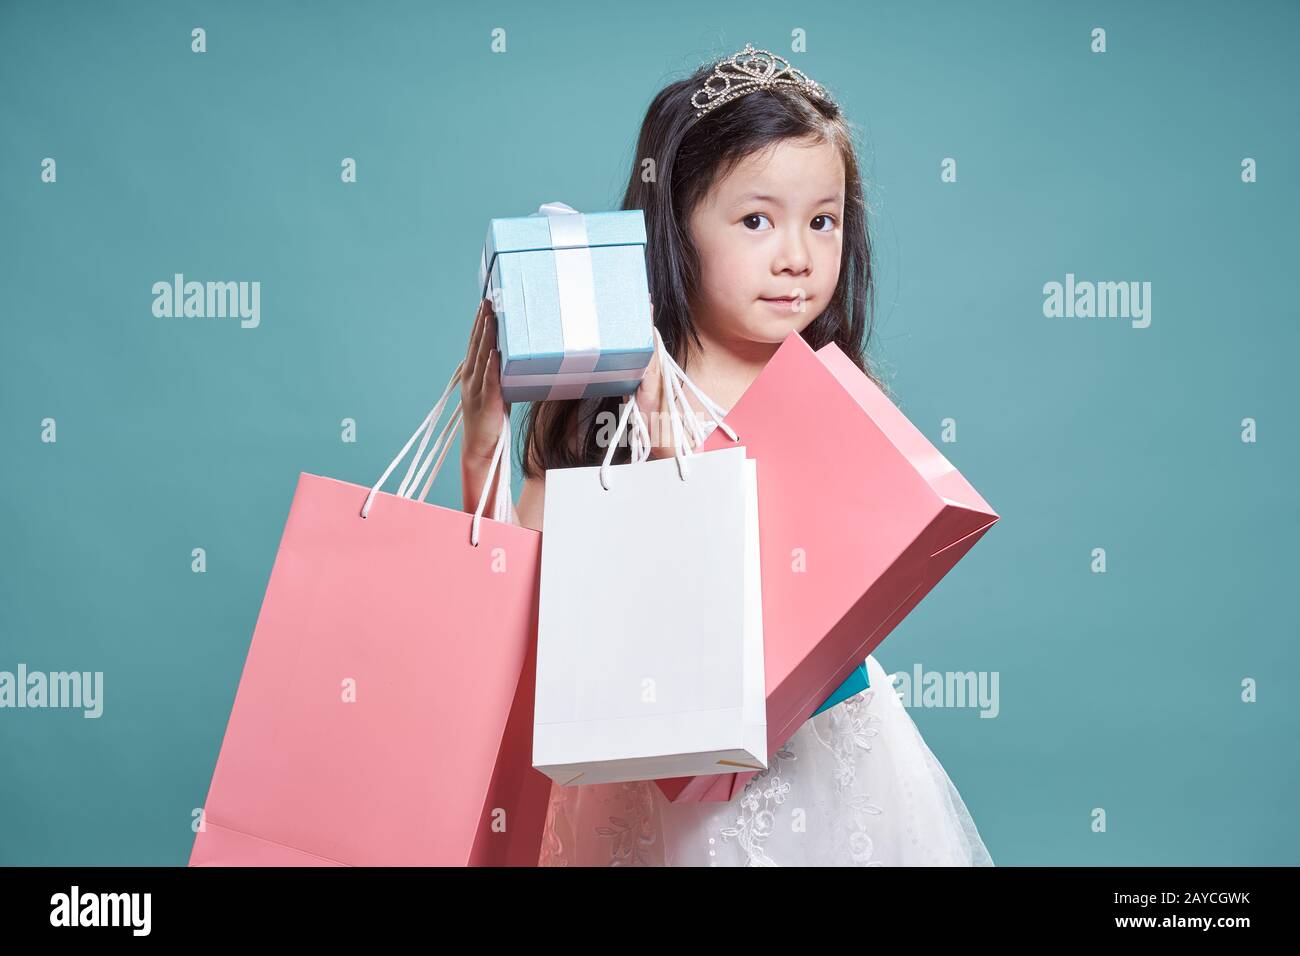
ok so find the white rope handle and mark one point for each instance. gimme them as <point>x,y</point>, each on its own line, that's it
<point>681,416</point>
<point>500,467</point>
<point>501,506</point>
<point>640,439</point>
<point>455,423</point>
<point>438,451</point>
<point>709,404</point>
<point>426,428</point>
<point>408,484</point>
<point>677,399</point>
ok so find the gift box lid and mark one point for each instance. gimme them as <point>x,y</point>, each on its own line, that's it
<point>623,227</point>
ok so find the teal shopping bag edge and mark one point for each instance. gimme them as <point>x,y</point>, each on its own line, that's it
<point>855,683</point>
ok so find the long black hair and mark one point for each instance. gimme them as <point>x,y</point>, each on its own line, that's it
<point>688,158</point>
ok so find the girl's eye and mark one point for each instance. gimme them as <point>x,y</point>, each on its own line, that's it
<point>753,215</point>
<point>830,222</point>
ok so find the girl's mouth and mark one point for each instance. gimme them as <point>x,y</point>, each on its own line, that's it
<point>783,301</point>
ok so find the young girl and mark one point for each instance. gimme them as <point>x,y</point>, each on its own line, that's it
<point>756,227</point>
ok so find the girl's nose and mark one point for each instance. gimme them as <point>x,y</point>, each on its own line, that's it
<point>793,255</point>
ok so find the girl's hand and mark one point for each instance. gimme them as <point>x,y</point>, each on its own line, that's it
<point>653,402</point>
<point>480,388</point>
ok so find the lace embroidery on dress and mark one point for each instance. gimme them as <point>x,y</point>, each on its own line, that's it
<point>632,833</point>
<point>758,805</point>
<point>552,844</point>
<point>847,732</point>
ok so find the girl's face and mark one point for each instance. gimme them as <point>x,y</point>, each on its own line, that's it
<point>769,237</point>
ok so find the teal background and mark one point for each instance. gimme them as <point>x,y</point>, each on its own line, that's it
<point>1118,690</point>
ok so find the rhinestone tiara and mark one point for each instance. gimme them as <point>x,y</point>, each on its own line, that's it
<point>747,71</point>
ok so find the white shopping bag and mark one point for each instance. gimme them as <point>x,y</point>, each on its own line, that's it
<point>650,627</point>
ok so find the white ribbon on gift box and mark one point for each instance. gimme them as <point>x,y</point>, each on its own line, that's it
<point>579,325</point>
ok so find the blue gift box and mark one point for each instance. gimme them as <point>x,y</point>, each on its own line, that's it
<point>572,302</point>
<point>855,684</point>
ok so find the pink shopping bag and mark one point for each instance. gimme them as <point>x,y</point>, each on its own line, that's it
<point>859,517</point>
<point>384,714</point>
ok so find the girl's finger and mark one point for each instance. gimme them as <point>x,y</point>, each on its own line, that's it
<point>491,383</point>
<point>487,346</point>
<point>647,392</point>
<point>652,373</point>
<point>475,337</point>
